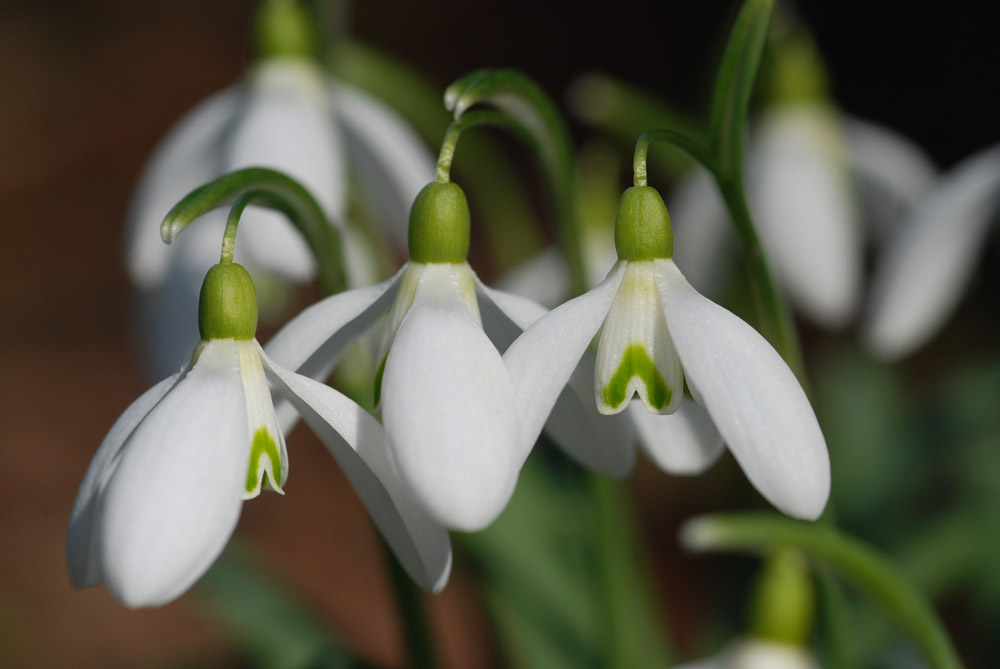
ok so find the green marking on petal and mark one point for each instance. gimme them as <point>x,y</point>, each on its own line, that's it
<point>637,363</point>
<point>263,444</point>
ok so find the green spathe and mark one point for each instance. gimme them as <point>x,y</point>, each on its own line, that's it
<point>285,29</point>
<point>227,308</point>
<point>263,445</point>
<point>642,226</point>
<point>637,363</point>
<point>439,225</point>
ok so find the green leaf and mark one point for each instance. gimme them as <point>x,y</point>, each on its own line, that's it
<point>272,627</point>
<point>852,560</point>
<point>521,99</point>
<point>274,190</point>
<point>734,84</point>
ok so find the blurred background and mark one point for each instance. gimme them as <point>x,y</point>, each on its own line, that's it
<point>89,88</point>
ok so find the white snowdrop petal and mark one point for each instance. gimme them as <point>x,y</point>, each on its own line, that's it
<point>929,264</point>
<point>541,361</point>
<point>287,126</point>
<point>82,557</point>
<point>752,396</point>
<point>704,245</point>
<point>174,498</point>
<point>802,205</point>
<point>268,453</point>
<point>448,407</point>
<point>357,441</point>
<point>602,443</point>
<point>635,354</point>
<point>185,159</point>
<point>393,164</point>
<point>684,442</point>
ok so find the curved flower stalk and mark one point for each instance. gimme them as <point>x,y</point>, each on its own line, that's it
<point>658,335</point>
<point>164,491</point>
<point>448,405</point>
<point>287,114</point>
<point>929,261</point>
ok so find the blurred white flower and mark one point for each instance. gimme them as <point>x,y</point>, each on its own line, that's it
<point>287,115</point>
<point>929,260</point>
<point>753,653</point>
<point>164,491</point>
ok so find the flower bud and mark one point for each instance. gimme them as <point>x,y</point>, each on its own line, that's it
<point>439,225</point>
<point>642,226</point>
<point>227,308</point>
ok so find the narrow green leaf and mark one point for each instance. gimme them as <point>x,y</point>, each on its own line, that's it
<point>274,190</point>
<point>520,98</point>
<point>852,560</point>
<point>734,84</point>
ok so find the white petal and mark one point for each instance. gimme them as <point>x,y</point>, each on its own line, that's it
<point>603,443</point>
<point>801,199</point>
<point>287,126</point>
<point>894,173</point>
<point>357,441</point>
<point>929,264</point>
<point>173,501</point>
<point>312,342</point>
<point>268,453</point>
<point>684,442</point>
<point>543,277</point>
<point>635,354</point>
<point>756,402</point>
<point>541,361</point>
<point>448,408</point>
<point>185,159</point>
<point>82,557</point>
<point>704,245</point>
<point>393,164</point>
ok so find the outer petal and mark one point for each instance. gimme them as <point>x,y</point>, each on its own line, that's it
<point>449,409</point>
<point>357,441</point>
<point>541,361</point>
<point>803,207</point>
<point>287,125</point>
<point>185,159</point>
<point>685,442</point>
<point>894,172</point>
<point>392,162</point>
<point>82,557</point>
<point>754,399</point>
<point>603,443</point>
<point>929,264</point>
<point>175,497</point>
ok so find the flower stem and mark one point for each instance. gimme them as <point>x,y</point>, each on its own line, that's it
<point>412,613</point>
<point>469,120</point>
<point>852,560</point>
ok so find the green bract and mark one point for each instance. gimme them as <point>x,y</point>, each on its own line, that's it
<point>439,225</point>
<point>227,308</point>
<point>642,226</point>
<point>285,30</point>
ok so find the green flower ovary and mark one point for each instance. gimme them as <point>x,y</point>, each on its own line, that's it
<point>227,306</point>
<point>642,226</point>
<point>636,363</point>
<point>439,225</point>
<point>263,445</point>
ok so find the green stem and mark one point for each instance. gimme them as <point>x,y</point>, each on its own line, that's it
<point>274,190</point>
<point>469,120</point>
<point>855,562</point>
<point>413,614</point>
<point>680,140</point>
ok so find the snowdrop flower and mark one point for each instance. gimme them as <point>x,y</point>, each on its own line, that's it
<point>929,261</point>
<point>164,491</point>
<point>754,653</point>
<point>287,114</point>
<point>448,405</point>
<point>658,333</point>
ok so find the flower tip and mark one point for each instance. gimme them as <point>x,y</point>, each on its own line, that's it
<point>442,580</point>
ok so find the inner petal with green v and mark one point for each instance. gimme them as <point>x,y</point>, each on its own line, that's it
<point>635,355</point>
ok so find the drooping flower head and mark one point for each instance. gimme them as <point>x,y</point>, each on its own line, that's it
<point>164,491</point>
<point>658,337</point>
